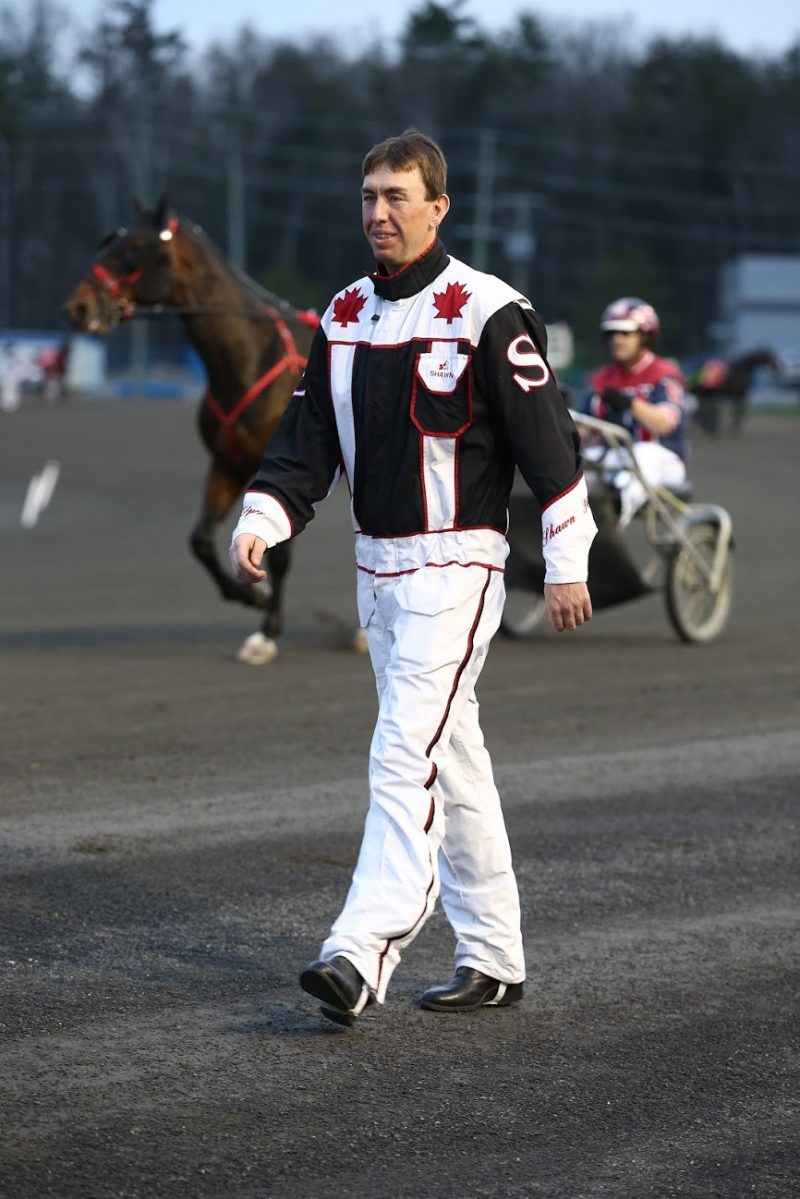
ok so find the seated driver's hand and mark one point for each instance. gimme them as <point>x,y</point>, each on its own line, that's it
<point>616,399</point>
<point>245,554</point>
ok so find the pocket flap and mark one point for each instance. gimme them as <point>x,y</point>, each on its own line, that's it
<point>440,371</point>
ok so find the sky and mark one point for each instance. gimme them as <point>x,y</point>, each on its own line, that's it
<point>766,27</point>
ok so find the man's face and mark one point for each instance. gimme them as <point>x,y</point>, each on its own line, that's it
<point>399,221</point>
<point>625,348</point>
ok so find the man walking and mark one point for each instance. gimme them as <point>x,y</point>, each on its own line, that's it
<point>426,385</point>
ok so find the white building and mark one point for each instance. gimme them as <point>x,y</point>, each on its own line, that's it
<point>760,305</point>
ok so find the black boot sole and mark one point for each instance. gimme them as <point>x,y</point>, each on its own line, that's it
<point>337,1006</point>
<point>346,1019</point>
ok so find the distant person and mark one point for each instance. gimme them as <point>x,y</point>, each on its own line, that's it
<point>426,385</point>
<point>646,395</point>
<point>53,364</point>
<point>13,373</point>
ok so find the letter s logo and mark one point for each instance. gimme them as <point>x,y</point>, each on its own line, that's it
<point>522,352</point>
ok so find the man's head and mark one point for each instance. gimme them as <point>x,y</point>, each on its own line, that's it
<point>630,326</point>
<point>403,199</point>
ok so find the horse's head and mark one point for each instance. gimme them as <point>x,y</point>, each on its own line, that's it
<point>763,356</point>
<point>132,270</point>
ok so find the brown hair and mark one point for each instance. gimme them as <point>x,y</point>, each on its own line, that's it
<point>408,150</point>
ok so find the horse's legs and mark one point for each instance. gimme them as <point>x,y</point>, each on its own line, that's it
<point>278,559</point>
<point>221,491</point>
<point>709,411</point>
<point>737,412</point>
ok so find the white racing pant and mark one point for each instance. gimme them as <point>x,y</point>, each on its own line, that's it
<point>660,466</point>
<point>434,821</point>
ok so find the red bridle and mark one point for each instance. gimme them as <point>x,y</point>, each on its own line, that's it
<point>289,360</point>
<point>113,284</point>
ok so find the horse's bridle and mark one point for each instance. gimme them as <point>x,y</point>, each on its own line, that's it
<point>124,308</point>
<point>121,308</point>
<point>127,309</point>
<point>114,284</point>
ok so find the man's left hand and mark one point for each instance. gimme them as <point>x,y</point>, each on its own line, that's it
<point>568,605</point>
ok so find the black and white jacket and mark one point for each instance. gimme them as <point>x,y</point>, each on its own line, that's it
<point>425,389</point>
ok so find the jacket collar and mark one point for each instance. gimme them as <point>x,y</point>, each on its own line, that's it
<point>412,278</point>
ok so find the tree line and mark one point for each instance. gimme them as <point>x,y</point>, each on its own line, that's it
<point>581,167</point>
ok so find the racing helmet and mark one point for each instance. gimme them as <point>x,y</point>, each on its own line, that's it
<point>631,314</point>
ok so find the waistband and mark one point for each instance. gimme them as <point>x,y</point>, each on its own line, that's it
<point>399,555</point>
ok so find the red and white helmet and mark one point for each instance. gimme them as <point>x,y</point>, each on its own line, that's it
<point>630,315</point>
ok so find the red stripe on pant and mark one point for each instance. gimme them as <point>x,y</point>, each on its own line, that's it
<point>434,769</point>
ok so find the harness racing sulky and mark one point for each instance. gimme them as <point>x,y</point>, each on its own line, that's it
<point>688,547</point>
<point>254,347</point>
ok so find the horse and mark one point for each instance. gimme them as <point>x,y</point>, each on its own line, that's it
<point>717,381</point>
<point>254,347</point>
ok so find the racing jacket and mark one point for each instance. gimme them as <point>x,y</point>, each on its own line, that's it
<point>424,389</point>
<point>652,379</point>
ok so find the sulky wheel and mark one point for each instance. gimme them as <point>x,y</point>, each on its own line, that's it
<point>523,613</point>
<point>697,613</point>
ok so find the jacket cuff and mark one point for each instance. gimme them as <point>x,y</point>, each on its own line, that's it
<point>568,530</point>
<point>264,516</point>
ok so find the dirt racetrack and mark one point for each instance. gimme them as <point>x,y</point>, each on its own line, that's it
<point>177,832</point>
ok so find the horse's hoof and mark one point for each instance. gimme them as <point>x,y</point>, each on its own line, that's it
<point>360,644</point>
<point>257,650</point>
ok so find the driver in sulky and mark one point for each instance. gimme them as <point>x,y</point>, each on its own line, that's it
<point>644,393</point>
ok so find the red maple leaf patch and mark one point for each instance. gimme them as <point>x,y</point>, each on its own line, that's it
<point>450,302</point>
<point>347,307</point>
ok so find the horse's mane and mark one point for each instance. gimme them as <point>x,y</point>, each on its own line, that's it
<point>266,297</point>
<point>759,357</point>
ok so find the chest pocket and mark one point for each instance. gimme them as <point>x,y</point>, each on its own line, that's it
<point>441,397</point>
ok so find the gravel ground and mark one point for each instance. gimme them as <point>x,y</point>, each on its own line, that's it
<point>177,832</point>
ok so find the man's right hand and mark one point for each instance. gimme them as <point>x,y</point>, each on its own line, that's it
<point>245,554</point>
<point>568,605</point>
